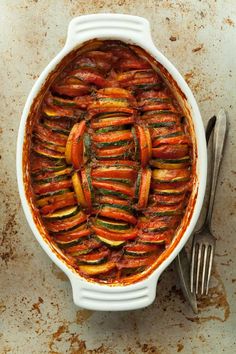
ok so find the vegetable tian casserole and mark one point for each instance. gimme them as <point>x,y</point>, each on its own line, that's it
<point>111,168</point>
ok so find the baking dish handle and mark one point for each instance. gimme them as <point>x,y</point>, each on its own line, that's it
<point>111,298</point>
<point>105,26</point>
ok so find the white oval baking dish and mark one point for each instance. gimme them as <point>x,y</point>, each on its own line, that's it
<point>135,30</point>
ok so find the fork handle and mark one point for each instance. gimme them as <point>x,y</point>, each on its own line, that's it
<point>219,136</point>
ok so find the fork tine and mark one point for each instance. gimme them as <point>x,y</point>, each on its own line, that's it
<point>192,268</point>
<point>199,257</point>
<point>209,268</point>
<point>204,267</point>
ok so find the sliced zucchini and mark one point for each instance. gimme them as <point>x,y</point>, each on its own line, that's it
<point>136,145</point>
<point>114,143</point>
<point>110,243</point>
<point>62,213</point>
<point>102,191</point>
<point>111,129</point>
<point>113,179</point>
<point>137,185</point>
<point>171,163</point>
<point>58,101</point>
<point>97,257</point>
<point>112,225</point>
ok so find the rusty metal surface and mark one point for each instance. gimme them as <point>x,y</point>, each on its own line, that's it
<point>37,314</point>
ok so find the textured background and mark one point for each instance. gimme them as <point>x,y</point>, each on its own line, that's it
<point>36,308</point>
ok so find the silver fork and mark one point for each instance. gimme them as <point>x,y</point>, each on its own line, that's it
<point>203,246</point>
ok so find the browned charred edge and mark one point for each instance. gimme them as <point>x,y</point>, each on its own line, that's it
<point>32,117</point>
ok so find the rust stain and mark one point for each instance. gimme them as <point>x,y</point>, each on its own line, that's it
<point>9,231</point>
<point>36,306</point>
<point>197,49</point>
<point>83,315</point>
<point>2,307</point>
<point>180,347</point>
<point>216,298</point>
<point>189,76</point>
<point>172,38</point>
<point>229,21</point>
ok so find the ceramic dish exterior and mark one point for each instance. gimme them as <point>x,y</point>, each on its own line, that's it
<point>134,30</point>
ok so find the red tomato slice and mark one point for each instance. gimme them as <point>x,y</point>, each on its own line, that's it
<point>117,214</point>
<point>145,144</point>
<point>65,224</point>
<point>112,137</point>
<point>86,245</point>
<point>135,263</point>
<point>112,122</point>
<point>117,151</point>
<point>176,140</point>
<point>144,188</point>
<point>73,236</point>
<point>77,144</point>
<point>52,187</point>
<point>114,172</point>
<point>114,186</point>
<point>67,200</point>
<point>71,90</point>
<point>170,151</point>
<point>115,236</point>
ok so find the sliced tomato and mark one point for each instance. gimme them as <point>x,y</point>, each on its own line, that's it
<point>116,236</point>
<point>163,186</point>
<point>116,121</point>
<point>51,137</point>
<point>167,199</point>
<point>86,245</point>
<point>52,186</point>
<point>118,163</point>
<point>114,186</point>
<point>117,214</point>
<point>131,262</point>
<point>89,76</point>
<point>66,224</point>
<point>42,149</point>
<point>132,64</point>
<point>157,238</point>
<point>144,188</point>
<point>112,201</point>
<point>145,144</point>
<point>97,257</point>
<point>72,236</point>
<point>176,140</point>
<point>115,151</point>
<point>140,248</point>
<point>71,90</point>
<point>50,174</point>
<point>170,151</point>
<point>114,172</point>
<point>165,210</point>
<point>58,202</point>
<point>112,136</point>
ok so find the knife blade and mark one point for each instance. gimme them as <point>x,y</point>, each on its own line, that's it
<point>182,262</point>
